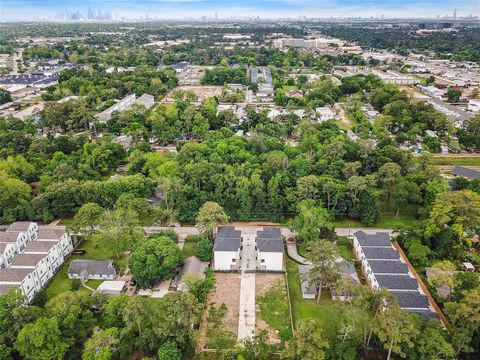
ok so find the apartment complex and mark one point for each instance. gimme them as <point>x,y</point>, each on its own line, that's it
<point>30,255</point>
<point>385,268</point>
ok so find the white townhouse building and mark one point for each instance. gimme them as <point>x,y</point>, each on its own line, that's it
<point>16,239</point>
<point>50,249</point>
<point>38,264</point>
<point>24,279</point>
<point>7,250</point>
<point>30,256</point>
<point>270,249</point>
<point>25,227</point>
<point>56,235</point>
<point>226,249</point>
<point>385,268</point>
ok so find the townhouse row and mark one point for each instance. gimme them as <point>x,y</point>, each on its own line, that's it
<point>265,254</point>
<point>385,268</point>
<point>30,255</point>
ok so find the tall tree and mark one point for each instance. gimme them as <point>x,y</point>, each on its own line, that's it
<point>388,176</point>
<point>312,222</point>
<point>326,267</point>
<point>101,346</point>
<point>395,329</point>
<point>209,217</point>
<point>308,344</point>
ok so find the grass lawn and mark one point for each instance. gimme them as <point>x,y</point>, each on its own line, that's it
<point>190,246</point>
<point>96,250</point>
<point>325,313</point>
<point>66,221</point>
<point>289,87</point>
<point>273,306</point>
<point>451,161</point>
<point>386,219</point>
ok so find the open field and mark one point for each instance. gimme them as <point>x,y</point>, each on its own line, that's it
<point>451,160</point>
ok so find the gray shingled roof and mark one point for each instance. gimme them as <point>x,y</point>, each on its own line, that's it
<point>465,172</point>
<point>27,259</point>
<point>19,226</point>
<point>39,246</point>
<point>227,239</point>
<point>397,282</point>
<point>49,234</point>
<point>13,275</point>
<point>9,237</point>
<point>388,267</point>
<point>411,299</point>
<point>91,267</point>
<point>191,266</point>
<point>426,314</point>
<point>376,239</point>
<point>270,232</point>
<point>381,253</point>
<point>270,245</point>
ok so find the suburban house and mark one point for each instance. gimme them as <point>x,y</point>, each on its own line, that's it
<point>270,249</point>
<point>385,268</point>
<point>192,267</point>
<point>325,113</point>
<point>226,249</point>
<point>459,171</point>
<point>92,270</point>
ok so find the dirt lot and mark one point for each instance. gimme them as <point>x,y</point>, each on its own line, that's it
<point>227,291</point>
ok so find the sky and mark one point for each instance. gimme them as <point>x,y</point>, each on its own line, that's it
<point>13,10</point>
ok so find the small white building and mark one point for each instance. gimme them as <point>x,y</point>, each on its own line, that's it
<point>92,270</point>
<point>325,113</point>
<point>111,287</point>
<point>309,291</point>
<point>226,249</point>
<point>474,105</point>
<point>270,249</point>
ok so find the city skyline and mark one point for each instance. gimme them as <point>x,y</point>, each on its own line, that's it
<point>18,10</point>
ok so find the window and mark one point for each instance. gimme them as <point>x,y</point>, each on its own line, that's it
<point>234,260</point>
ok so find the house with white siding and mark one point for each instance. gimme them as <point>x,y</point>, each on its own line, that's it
<point>24,279</point>
<point>269,249</point>
<point>16,239</point>
<point>50,249</point>
<point>59,236</point>
<point>38,264</point>
<point>25,227</point>
<point>226,249</point>
<point>7,251</point>
<point>385,268</point>
<point>92,270</point>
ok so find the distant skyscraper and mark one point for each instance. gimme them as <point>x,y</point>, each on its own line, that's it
<point>455,14</point>
<point>216,15</point>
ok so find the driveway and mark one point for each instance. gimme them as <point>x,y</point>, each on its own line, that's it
<point>246,319</point>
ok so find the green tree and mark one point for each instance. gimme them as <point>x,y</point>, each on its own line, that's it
<point>453,95</point>
<point>431,343</point>
<point>209,217</point>
<point>42,340</point>
<point>5,97</point>
<point>326,268</point>
<point>169,351</point>
<point>312,222</point>
<point>205,249</point>
<point>153,260</point>
<point>101,346</point>
<point>395,329</point>
<point>308,344</point>
<point>388,176</point>
<point>404,192</point>
<point>88,217</point>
